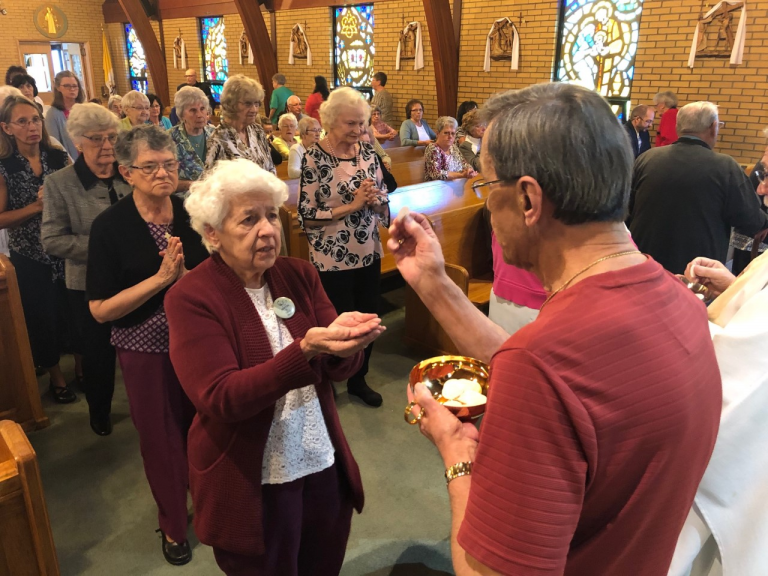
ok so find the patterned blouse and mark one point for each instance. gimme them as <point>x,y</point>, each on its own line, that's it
<point>150,336</point>
<point>225,144</point>
<point>340,244</point>
<point>437,163</point>
<point>22,185</point>
<point>191,166</point>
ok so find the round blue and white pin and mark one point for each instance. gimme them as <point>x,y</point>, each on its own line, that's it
<point>284,307</point>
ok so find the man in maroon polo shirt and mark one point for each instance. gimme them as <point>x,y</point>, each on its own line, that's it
<point>602,414</point>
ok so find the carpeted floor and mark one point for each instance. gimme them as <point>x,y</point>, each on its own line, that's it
<point>103,515</point>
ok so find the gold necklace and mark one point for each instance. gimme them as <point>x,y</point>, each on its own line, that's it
<point>580,272</point>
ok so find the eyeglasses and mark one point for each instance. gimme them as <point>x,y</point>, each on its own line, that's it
<point>24,123</point>
<point>249,104</point>
<point>152,169</point>
<point>315,130</point>
<point>761,175</point>
<point>477,185</point>
<point>142,108</point>
<point>69,86</point>
<point>99,140</point>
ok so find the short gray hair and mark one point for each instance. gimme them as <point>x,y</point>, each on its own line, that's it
<point>89,117</point>
<point>188,96</point>
<point>209,199</point>
<point>696,117</point>
<point>129,142</point>
<point>668,98</point>
<point>134,97</point>
<point>236,89</point>
<point>279,78</point>
<point>526,137</point>
<point>306,123</point>
<point>445,121</point>
<point>339,99</point>
<point>285,118</point>
<point>114,98</point>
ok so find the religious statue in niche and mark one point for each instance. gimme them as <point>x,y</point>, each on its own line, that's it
<point>179,53</point>
<point>716,31</point>
<point>299,41</point>
<point>501,38</point>
<point>408,42</point>
<point>245,51</point>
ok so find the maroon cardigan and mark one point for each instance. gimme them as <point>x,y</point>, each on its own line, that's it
<point>223,359</point>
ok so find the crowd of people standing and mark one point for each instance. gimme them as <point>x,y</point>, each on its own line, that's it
<point>155,241</point>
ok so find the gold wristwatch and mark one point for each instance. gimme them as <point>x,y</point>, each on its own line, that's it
<point>459,469</point>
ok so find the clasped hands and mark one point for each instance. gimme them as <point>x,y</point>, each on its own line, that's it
<point>172,267</point>
<point>344,337</point>
<point>368,194</point>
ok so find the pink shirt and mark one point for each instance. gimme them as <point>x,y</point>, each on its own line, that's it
<point>514,284</point>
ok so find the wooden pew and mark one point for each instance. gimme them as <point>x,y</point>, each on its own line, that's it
<point>282,170</point>
<point>19,395</point>
<point>408,173</point>
<point>25,531</point>
<point>406,153</point>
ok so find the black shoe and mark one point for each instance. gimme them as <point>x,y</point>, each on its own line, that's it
<point>101,426</point>
<point>175,553</point>
<point>365,393</point>
<point>62,394</point>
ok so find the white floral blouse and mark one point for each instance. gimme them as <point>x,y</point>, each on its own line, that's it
<point>353,242</point>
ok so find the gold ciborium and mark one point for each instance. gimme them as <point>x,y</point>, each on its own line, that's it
<point>435,372</point>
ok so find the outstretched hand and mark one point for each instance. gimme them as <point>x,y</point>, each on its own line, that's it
<point>347,335</point>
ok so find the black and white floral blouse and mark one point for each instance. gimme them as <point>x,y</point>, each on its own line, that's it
<point>353,242</point>
<point>22,185</point>
<point>225,144</point>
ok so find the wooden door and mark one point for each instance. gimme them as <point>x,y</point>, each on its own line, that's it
<point>38,61</point>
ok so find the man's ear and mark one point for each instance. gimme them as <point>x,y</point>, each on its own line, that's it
<point>532,199</point>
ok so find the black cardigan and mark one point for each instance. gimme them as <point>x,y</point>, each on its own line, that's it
<point>122,253</point>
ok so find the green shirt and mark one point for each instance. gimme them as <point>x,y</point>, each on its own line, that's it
<point>277,103</point>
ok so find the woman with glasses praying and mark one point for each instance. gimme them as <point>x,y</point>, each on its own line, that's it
<point>309,131</point>
<point>26,159</point>
<point>136,110</point>
<point>138,248</point>
<point>240,134</point>
<point>74,197</point>
<point>66,93</point>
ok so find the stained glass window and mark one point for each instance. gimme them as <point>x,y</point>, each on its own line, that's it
<point>598,44</point>
<point>215,63</point>
<point>137,62</point>
<point>353,45</point>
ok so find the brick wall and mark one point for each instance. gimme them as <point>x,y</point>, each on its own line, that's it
<point>18,25</point>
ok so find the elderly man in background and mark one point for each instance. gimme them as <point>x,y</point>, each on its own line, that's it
<point>382,99</point>
<point>191,134</point>
<point>640,120</point>
<point>666,108</point>
<point>293,105</point>
<point>587,463</point>
<point>190,79</point>
<point>687,197</point>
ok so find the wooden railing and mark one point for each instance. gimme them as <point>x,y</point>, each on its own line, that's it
<point>25,531</point>
<point>19,395</point>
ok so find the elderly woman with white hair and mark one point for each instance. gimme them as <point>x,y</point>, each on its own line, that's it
<point>74,197</point>
<point>115,105</point>
<point>136,110</point>
<point>138,248</point>
<point>442,158</point>
<point>191,134</point>
<point>343,200</point>
<point>256,344</point>
<point>286,136</point>
<point>309,131</point>
<point>240,134</point>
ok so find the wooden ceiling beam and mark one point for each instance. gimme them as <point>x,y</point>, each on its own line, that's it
<point>155,56</point>
<point>445,54</point>
<point>263,55</point>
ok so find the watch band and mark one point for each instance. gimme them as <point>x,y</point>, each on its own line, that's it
<point>457,470</point>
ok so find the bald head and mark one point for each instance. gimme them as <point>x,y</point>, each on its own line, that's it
<point>191,76</point>
<point>294,105</point>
